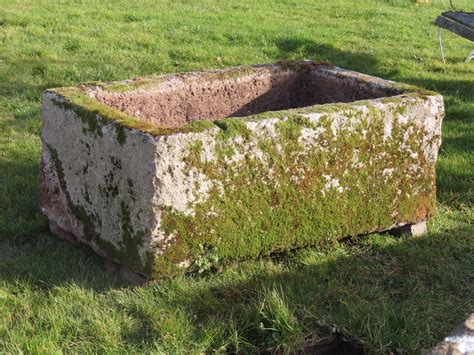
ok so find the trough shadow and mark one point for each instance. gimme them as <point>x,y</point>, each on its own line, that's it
<point>45,262</point>
<point>306,88</point>
<point>19,181</point>
<point>455,184</point>
<point>379,284</point>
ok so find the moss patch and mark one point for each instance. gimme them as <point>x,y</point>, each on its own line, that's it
<point>95,114</point>
<point>127,253</point>
<point>347,184</point>
<point>232,127</point>
<point>88,220</point>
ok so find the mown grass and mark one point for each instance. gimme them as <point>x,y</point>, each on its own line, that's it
<point>389,294</point>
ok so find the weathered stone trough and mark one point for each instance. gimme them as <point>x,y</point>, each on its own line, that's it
<point>174,173</point>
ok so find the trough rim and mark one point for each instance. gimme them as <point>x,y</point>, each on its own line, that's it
<point>77,99</point>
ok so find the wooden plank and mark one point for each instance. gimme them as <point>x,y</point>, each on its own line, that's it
<point>464,18</point>
<point>455,27</point>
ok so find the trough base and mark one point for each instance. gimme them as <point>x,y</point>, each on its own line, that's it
<point>124,274</point>
<point>410,230</point>
<point>61,233</point>
<point>134,278</point>
<point>110,266</point>
<point>460,341</point>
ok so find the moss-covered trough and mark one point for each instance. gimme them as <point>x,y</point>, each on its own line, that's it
<point>178,173</point>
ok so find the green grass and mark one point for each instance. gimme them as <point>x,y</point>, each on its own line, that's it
<point>391,295</point>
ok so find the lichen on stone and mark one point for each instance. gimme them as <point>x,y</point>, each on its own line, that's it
<point>299,196</point>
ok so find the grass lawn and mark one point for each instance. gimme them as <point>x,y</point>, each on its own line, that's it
<point>388,294</point>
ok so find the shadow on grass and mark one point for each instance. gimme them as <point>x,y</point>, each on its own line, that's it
<point>388,293</point>
<point>19,192</point>
<point>28,78</point>
<point>455,175</point>
<point>299,48</point>
<point>379,291</point>
<point>43,261</point>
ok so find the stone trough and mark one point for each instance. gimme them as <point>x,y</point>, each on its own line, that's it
<point>175,173</point>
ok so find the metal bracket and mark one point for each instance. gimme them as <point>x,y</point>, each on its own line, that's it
<point>441,45</point>
<point>470,56</point>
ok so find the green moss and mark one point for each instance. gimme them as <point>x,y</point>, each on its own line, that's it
<point>300,203</point>
<point>199,126</point>
<point>290,129</point>
<point>88,117</point>
<point>95,114</point>
<point>227,152</point>
<point>89,220</point>
<point>127,253</point>
<point>401,109</point>
<point>299,65</point>
<point>121,136</point>
<point>232,127</point>
<point>413,90</point>
<point>194,157</point>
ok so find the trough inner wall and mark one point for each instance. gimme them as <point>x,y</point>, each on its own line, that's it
<point>176,102</point>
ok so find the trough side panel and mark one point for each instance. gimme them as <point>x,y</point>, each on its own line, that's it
<point>257,187</point>
<point>97,183</point>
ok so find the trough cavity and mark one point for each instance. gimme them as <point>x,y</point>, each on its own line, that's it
<point>175,100</point>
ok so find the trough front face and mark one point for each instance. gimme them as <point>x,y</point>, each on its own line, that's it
<point>175,173</point>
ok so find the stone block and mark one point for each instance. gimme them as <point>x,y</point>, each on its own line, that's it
<point>181,172</point>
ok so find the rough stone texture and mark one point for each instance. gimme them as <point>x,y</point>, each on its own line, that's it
<point>460,341</point>
<point>179,187</point>
<point>411,230</point>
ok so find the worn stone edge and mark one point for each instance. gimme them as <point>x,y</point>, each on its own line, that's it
<point>459,341</point>
<point>75,98</point>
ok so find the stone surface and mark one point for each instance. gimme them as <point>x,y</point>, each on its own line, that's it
<point>412,230</point>
<point>460,341</point>
<point>182,172</point>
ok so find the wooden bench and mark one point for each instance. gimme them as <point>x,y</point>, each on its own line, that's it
<point>461,23</point>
